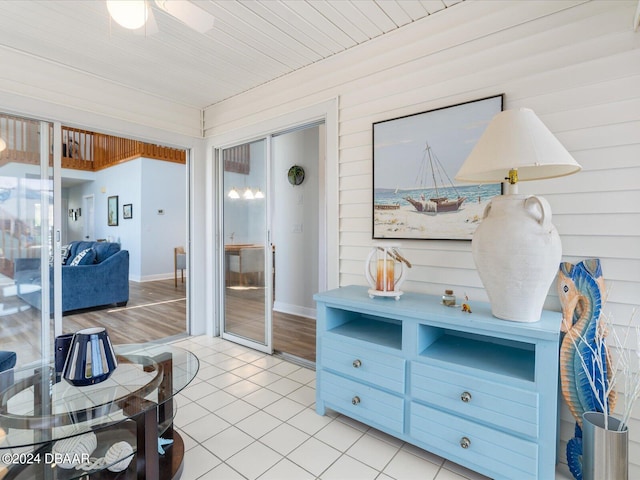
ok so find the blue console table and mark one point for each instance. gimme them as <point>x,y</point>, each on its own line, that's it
<point>476,390</point>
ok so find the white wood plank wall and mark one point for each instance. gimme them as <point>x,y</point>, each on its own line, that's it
<point>577,64</point>
<point>53,91</point>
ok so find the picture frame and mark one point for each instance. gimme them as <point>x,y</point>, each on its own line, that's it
<point>112,211</point>
<point>415,160</point>
<point>127,211</point>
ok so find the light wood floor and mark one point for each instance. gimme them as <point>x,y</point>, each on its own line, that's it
<point>155,310</point>
<point>292,334</point>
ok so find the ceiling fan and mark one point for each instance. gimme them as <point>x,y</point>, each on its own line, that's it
<point>137,15</point>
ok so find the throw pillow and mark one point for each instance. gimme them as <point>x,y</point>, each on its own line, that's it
<point>64,253</point>
<point>85,257</point>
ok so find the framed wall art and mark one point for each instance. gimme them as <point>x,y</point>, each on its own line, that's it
<point>112,211</point>
<point>415,160</point>
<point>127,211</point>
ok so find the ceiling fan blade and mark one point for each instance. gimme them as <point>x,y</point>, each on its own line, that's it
<point>150,27</point>
<point>188,13</point>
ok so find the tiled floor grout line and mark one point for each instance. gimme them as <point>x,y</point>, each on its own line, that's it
<point>272,383</point>
<point>342,454</point>
<point>310,407</point>
<point>259,410</point>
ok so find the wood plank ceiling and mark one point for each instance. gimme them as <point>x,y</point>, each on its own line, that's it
<point>252,42</point>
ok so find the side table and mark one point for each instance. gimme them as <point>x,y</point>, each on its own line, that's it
<point>134,405</point>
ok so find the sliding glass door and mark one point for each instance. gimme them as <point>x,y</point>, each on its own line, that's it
<point>246,258</point>
<point>27,237</point>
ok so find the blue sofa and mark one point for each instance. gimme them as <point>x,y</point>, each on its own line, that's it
<point>7,362</point>
<point>103,282</point>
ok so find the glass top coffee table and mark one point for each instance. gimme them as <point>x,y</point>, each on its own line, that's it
<point>47,425</point>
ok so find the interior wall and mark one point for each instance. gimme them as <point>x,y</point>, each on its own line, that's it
<point>149,186</point>
<point>123,181</point>
<point>575,63</point>
<point>163,214</point>
<point>31,80</point>
<point>295,220</point>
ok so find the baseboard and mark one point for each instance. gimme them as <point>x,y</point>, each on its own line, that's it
<point>294,310</point>
<point>153,278</point>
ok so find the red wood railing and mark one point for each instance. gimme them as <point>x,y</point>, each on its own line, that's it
<point>81,149</point>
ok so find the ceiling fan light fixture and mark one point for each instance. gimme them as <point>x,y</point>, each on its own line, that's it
<point>188,13</point>
<point>130,14</point>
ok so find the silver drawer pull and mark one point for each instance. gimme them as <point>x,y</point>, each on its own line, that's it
<point>465,397</point>
<point>355,400</point>
<point>357,364</point>
<point>465,442</point>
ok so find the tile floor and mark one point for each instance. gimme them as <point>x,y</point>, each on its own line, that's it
<point>248,415</point>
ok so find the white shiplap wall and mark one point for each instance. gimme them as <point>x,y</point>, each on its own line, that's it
<point>53,91</point>
<point>577,64</point>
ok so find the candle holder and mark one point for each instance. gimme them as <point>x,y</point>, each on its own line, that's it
<point>385,271</point>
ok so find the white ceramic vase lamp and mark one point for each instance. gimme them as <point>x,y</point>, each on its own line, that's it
<point>516,248</point>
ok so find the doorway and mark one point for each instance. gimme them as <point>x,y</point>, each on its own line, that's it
<point>88,227</point>
<point>295,236</point>
<point>271,224</point>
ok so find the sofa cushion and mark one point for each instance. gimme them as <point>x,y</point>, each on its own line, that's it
<point>85,257</point>
<point>103,250</point>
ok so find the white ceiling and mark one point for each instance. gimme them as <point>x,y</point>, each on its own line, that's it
<point>252,42</point>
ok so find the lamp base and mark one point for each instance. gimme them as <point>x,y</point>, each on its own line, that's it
<point>517,251</point>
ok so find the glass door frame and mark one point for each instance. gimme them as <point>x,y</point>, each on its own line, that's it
<point>329,264</point>
<point>267,347</point>
<point>51,230</point>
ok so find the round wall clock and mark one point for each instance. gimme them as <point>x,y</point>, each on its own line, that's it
<point>296,175</point>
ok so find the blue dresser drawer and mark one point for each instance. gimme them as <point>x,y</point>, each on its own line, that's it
<point>498,404</point>
<point>364,364</point>
<point>491,450</point>
<point>362,402</point>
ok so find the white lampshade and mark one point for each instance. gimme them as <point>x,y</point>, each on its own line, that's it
<point>3,144</point>
<point>131,14</point>
<point>233,193</point>
<point>248,194</point>
<point>516,248</point>
<point>517,140</point>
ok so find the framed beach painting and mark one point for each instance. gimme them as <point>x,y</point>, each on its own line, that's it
<point>112,211</point>
<point>415,160</point>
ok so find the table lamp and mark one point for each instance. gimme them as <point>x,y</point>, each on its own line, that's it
<point>516,248</point>
<point>91,358</point>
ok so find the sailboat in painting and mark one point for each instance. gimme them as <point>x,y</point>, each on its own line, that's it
<point>439,202</point>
